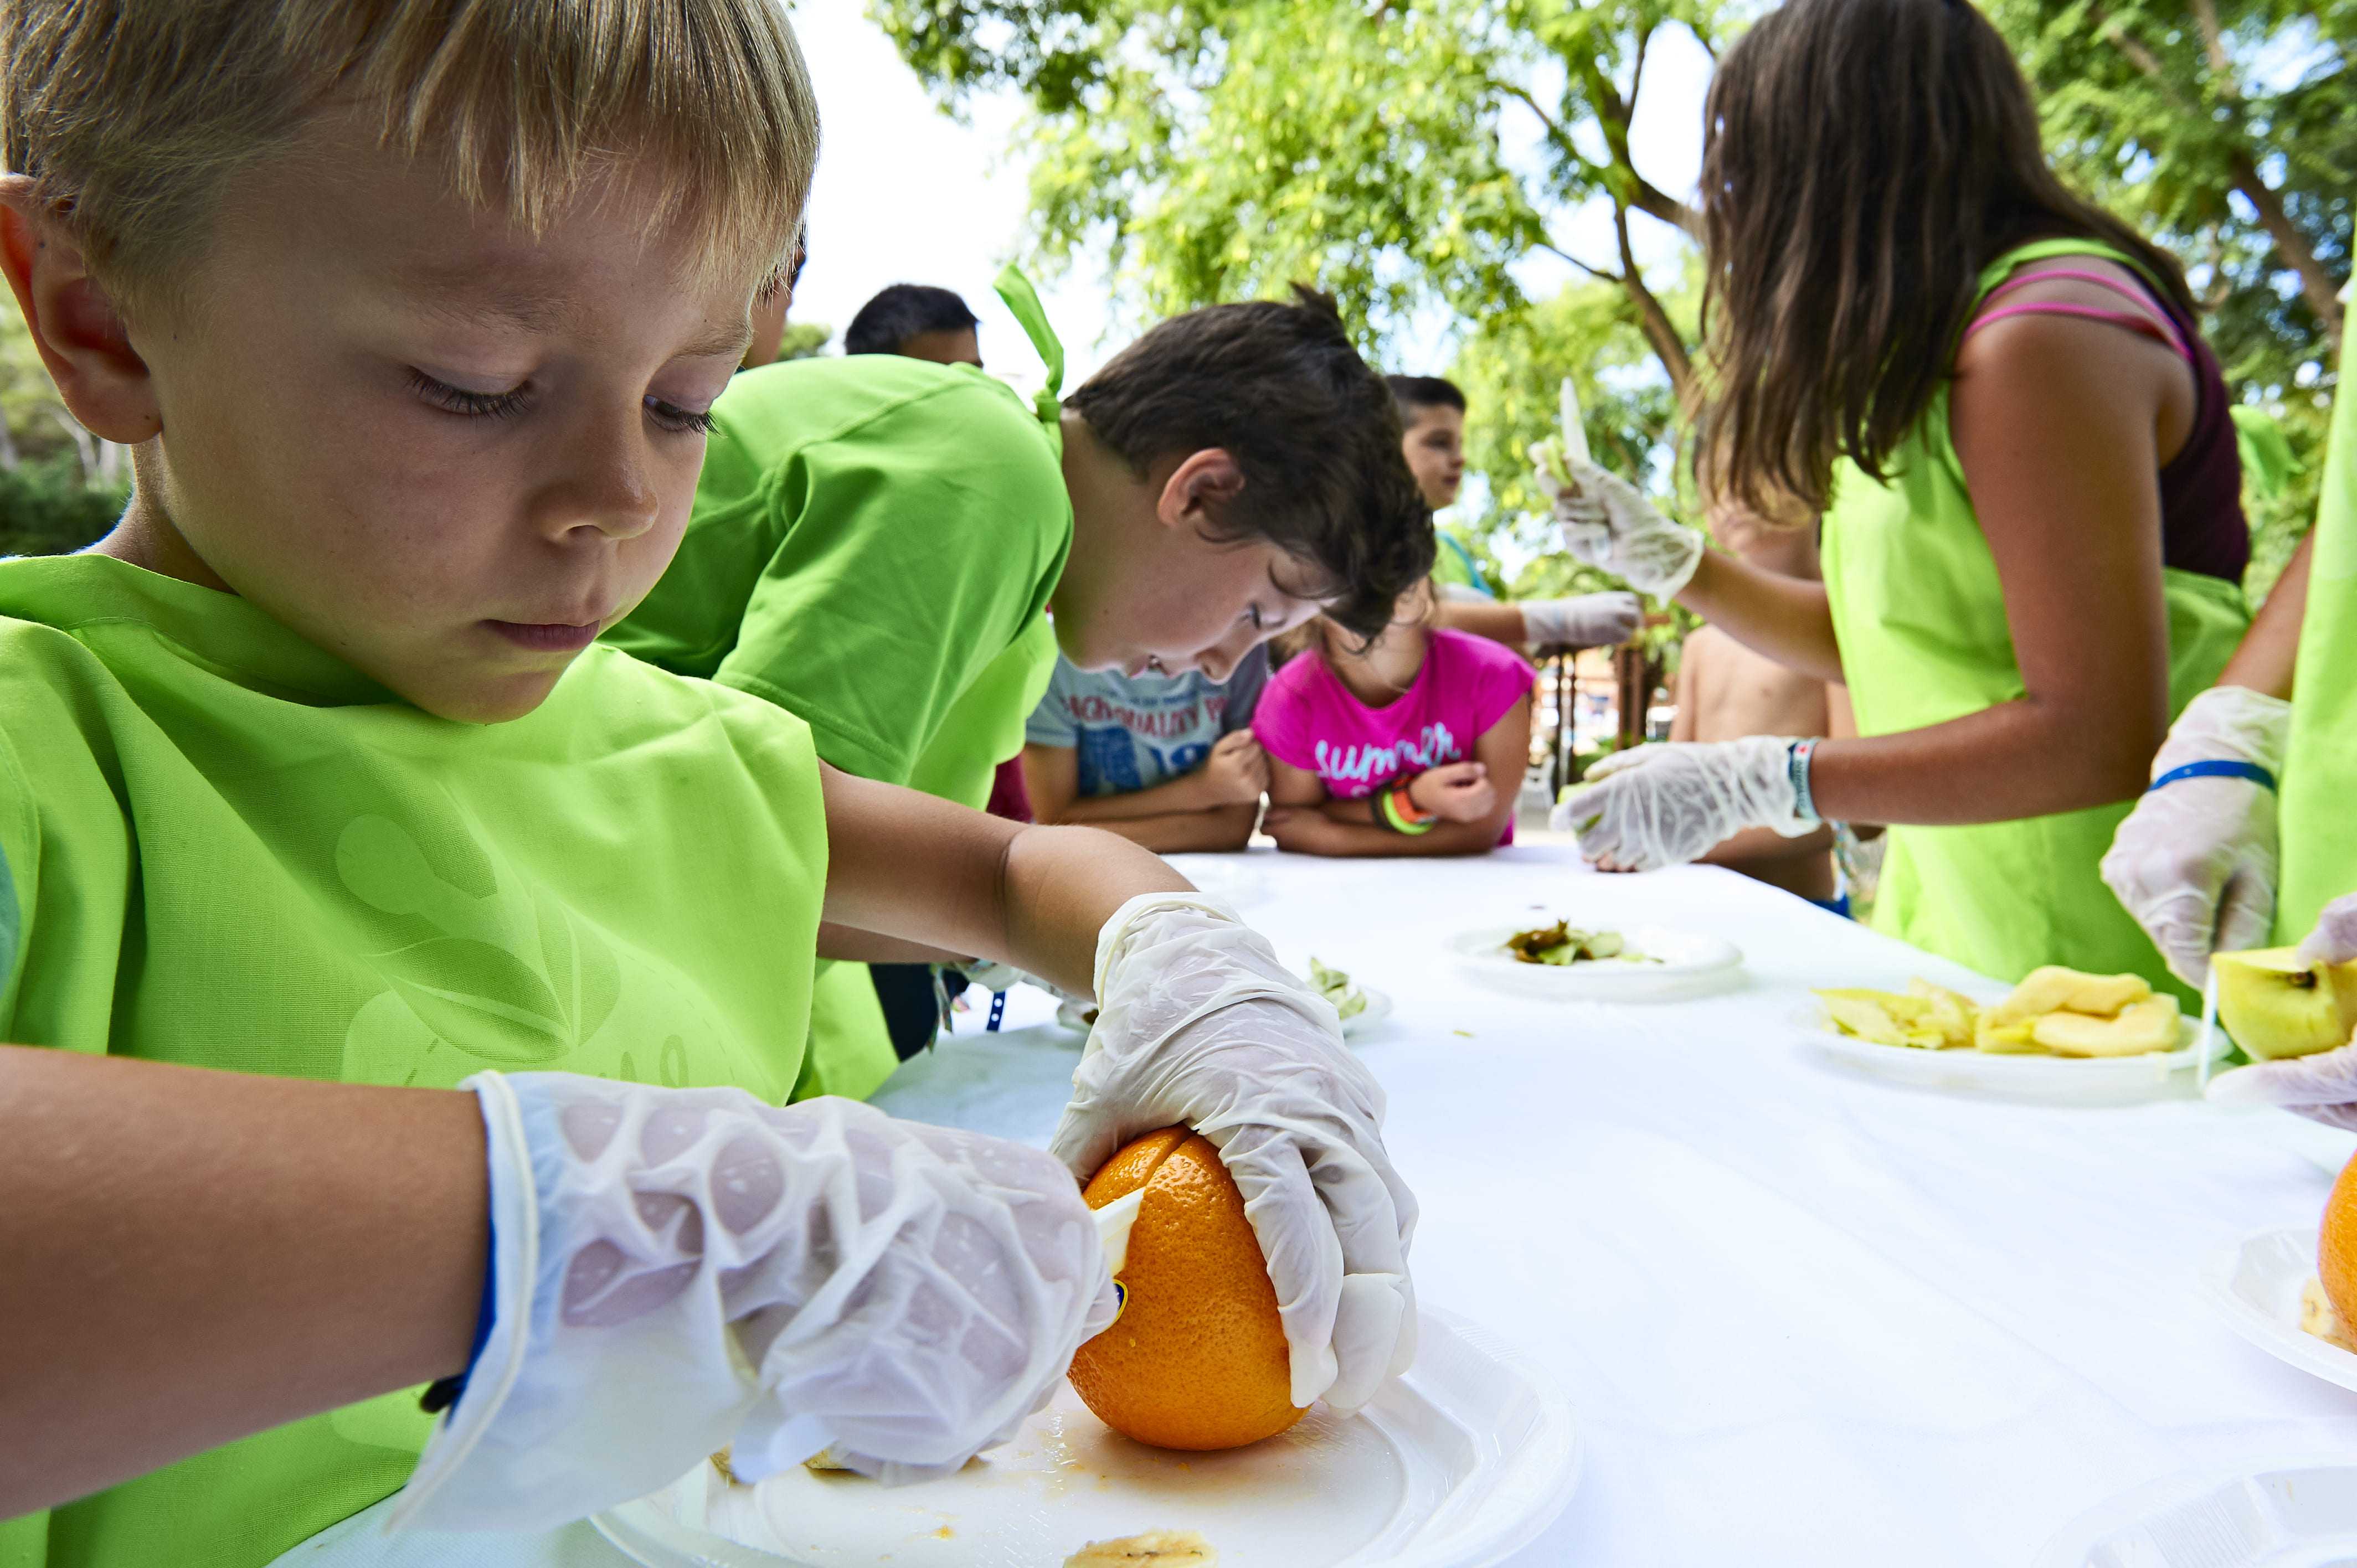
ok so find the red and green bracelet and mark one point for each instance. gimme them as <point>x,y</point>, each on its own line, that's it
<point>1396,809</point>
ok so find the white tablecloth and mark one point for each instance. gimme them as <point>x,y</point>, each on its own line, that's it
<point>1805,1318</point>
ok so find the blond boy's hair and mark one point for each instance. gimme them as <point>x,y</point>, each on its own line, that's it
<point>131,114</point>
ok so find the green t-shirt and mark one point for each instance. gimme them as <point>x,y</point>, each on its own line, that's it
<point>873,547</point>
<point>870,534</point>
<point>224,847</point>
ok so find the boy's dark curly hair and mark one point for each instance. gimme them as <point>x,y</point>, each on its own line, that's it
<point>1277,386</point>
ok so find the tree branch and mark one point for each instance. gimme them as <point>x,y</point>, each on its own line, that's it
<point>1593,272</point>
<point>1651,320</point>
<point>1554,131</point>
<point>2213,45</point>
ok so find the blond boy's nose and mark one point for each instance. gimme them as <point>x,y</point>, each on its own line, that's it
<point>606,487</point>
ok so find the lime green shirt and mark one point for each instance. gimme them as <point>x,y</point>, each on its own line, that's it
<point>870,534</point>
<point>872,545</point>
<point>221,847</point>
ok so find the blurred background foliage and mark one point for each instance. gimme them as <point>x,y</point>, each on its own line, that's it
<point>1412,155</point>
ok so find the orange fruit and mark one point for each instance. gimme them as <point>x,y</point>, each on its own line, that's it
<point>2336,1247</point>
<point>1197,1357</point>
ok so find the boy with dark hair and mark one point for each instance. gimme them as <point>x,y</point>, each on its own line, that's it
<point>874,538</point>
<point>399,984</point>
<point>918,321</point>
<point>1431,420</point>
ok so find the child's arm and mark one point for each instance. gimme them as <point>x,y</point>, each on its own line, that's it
<point>195,1256</point>
<point>1304,819</point>
<point>1211,809</point>
<point>913,867</point>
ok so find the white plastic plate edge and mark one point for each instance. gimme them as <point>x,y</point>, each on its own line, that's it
<point>1966,1068</point>
<point>1539,1476</point>
<point>1378,1008</point>
<point>1536,1477</point>
<point>2074,1545</point>
<point>2255,1283</point>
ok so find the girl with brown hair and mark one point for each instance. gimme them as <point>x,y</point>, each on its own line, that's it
<point>1994,397</point>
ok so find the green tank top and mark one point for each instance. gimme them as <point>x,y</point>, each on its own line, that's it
<point>1920,614</point>
<point>2317,829</point>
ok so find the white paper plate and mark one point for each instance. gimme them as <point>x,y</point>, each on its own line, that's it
<point>2256,1283</point>
<point>1457,1465</point>
<point>1378,1008</point>
<point>2300,1516</point>
<point>2034,1074</point>
<point>1689,964</point>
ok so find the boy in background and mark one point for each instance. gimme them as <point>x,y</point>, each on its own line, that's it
<point>876,539</point>
<point>1726,691</point>
<point>1168,762</point>
<point>918,322</point>
<point>1432,439</point>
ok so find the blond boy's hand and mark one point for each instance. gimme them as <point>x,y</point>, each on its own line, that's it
<point>1200,1026</point>
<point>677,1270</point>
<point>1457,791</point>
<point>1236,773</point>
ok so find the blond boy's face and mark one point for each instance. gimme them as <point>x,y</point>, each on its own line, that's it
<point>432,444</point>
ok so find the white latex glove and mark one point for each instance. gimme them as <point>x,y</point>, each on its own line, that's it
<point>2323,1086</point>
<point>1608,523</point>
<point>675,1269</point>
<point>1198,1025</point>
<point>2334,940</point>
<point>1664,805</point>
<point>2195,862</point>
<point>1589,620</point>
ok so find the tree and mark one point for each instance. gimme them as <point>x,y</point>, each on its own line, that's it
<point>1215,149</point>
<point>1222,148</point>
<point>803,338</point>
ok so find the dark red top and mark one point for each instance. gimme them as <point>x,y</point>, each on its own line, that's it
<point>2202,528</point>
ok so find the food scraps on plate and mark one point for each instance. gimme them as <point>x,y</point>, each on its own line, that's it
<point>2055,1012</point>
<point>1560,945</point>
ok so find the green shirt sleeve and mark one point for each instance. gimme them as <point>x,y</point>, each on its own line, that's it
<point>870,534</point>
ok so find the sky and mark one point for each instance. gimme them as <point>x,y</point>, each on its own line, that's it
<point>905,194</point>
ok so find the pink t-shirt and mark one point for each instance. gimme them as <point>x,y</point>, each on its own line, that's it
<point>1308,719</point>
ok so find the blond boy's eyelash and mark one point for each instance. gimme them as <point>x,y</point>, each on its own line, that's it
<point>507,404</point>
<point>473,405</point>
<point>680,421</point>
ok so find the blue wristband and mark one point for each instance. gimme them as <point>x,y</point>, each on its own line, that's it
<point>442,1393</point>
<point>2215,767</point>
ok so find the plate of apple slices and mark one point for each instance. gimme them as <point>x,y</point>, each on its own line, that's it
<point>2059,1032</point>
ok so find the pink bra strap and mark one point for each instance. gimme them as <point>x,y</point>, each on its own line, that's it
<point>2161,331</point>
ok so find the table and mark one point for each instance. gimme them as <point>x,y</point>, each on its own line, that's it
<point>1804,1317</point>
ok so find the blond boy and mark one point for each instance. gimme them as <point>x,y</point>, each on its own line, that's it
<point>413,312</point>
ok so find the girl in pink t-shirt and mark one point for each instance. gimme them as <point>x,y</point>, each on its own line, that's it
<point>1414,744</point>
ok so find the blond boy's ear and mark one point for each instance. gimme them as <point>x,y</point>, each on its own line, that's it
<point>80,335</point>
